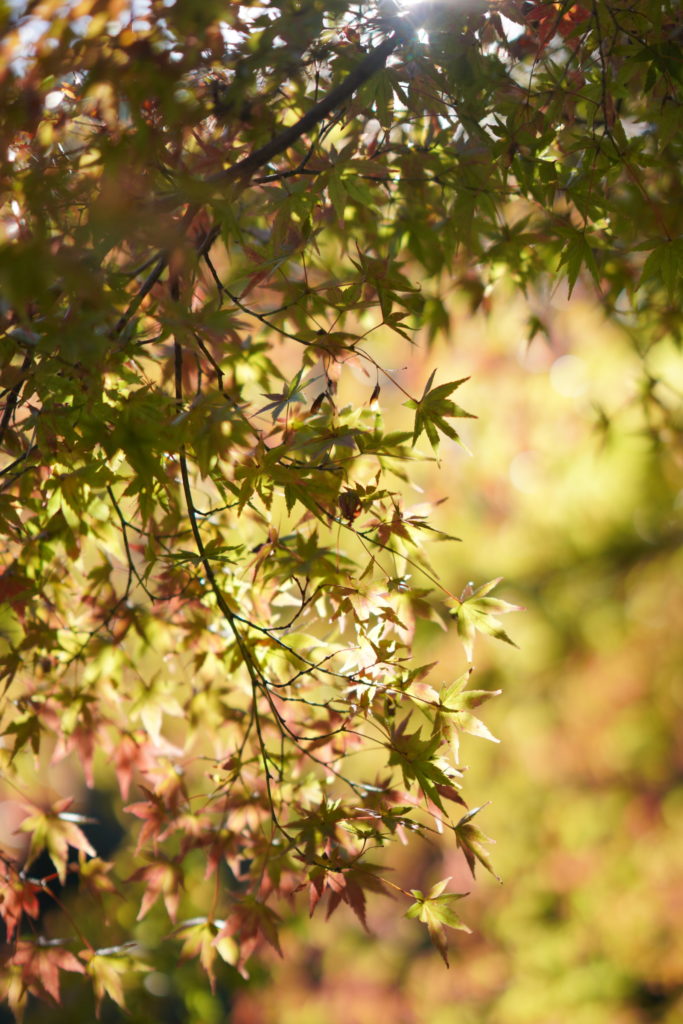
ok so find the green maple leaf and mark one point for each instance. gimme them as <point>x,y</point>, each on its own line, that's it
<point>11,630</point>
<point>416,758</point>
<point>106,967</point>
<point>470,840</point>
<point>436,911</point>
<point>291,394</point>
<point>455,716</point>
<point>456,698</point>
<point>434,409</point>
<point>55,830</point>
<point>476,613</point>
<point>199,938</point>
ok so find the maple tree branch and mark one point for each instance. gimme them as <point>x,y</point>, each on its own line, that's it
<point>144,290</point>
<point>245,168</point>
<point>369,66</point>
<point>191,511</point>
<point>259,684</point>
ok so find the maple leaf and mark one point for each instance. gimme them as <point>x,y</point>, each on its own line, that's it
<point>27,729</point>
<point>129,754</point>
<point>155,701</point>
<point>18,896</point>
<point>450,793</point>
<point>41,962</point>
<point>55,830</point>
<point>83,740</point>
<point>433,410</point>
<point>291,394</point>
<point>11,630</point>
<point>93,875</point>
<point>76,727</point>
<point>475,612</point>
<point>153,813</point>
<point>470,840</point>
<point>344,886</point>
<point>197,830</point>
<point>250,921</point>
<point>14,988</point>
<point>454,716</point>
<point>162,878</point>
<point>317,877</point>
<point>162,808</point>
<point>219,845</point>
<point>550,18</point>
<point>435,910</point>
<point>417,760</point>
<point>200,937</point>
<point>345,889</point>
<point>105,967</point>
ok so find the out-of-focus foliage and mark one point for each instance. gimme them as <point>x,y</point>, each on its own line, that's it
<point>224,688</point>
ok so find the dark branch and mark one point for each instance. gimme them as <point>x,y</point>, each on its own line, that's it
<point>244,169</point>
<point>373,63</point>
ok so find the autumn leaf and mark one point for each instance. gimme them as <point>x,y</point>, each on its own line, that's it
<point>457,698</point>
<point>291,394</point>
<point>18,896</point>
<point>41,963</point>
<point>162,878</point>
<point>55,830</point>
<point>130,754</point>
<point>106,968</point>
<point>200,938</point>
<point>249,922</point>
<point>476,612</point>
<point>345,886</point>
<point>435,909</point>
<point>14,986</point>
<point>471,840</point>
<point>434,409</point>
<point>11,630</point>
<point>153,702</point>
<point>454,715</point>
<point>26,729</point>
<point>417,759</point>
<point>163,807</point>
<point>93,876</point>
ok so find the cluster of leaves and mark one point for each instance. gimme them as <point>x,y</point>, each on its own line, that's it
<point>207,217</point>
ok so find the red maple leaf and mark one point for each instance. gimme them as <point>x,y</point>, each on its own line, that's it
<point>153,813</point>
<point>18,896</point>
<point>162,878</point>
<point>250,921</point>
<point>41,963</point>
<point>549,19</point>
<point>128,756</point>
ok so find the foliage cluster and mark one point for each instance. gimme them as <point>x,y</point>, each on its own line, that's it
<point>211,221</point>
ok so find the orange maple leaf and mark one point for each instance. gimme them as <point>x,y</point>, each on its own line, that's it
<point>41,963</point>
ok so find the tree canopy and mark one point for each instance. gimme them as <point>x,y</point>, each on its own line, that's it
<point>224,228</point>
